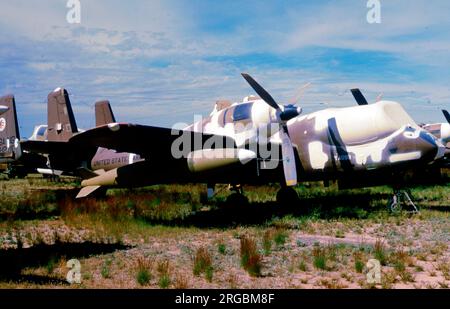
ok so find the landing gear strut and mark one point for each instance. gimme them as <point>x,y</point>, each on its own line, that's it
<point>401,197</point>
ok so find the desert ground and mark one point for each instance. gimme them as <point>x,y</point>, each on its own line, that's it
<point>170,237</point>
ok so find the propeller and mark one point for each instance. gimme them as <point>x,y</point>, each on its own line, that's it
<point>446,115</point>
<point>359,97</point>
<point>299,93</point>
<point>284,113</point>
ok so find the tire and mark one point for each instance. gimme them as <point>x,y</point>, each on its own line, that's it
<point>287,197</point>
<point>237,200</point>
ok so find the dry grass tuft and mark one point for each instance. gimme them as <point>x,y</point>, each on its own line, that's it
<point>250,258</point>
<point>203,263</point>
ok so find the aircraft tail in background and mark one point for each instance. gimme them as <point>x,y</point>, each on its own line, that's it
<point>9,130</point>
<point>103,113</point>
<point>61,121</point>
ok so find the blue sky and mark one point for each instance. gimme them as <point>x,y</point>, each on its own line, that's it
<point>159,62</point>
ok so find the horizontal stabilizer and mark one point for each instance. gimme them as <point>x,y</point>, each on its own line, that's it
<point>86,191</point>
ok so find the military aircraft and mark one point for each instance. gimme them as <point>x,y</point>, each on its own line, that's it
<point>258,141</point>
<point>51,140</point>
<point>16,162</point>
<point>56,159</point>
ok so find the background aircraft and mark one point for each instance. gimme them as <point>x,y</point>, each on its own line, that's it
<point>51,141</point>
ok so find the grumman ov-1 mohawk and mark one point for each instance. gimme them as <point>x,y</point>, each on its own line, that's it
<point>258,141</point>
<point>47,151</point>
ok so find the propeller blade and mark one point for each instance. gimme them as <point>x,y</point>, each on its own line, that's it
<point>379,97</point>
<point>261,91</point>
<point>288,112</point>
<point>289,166</point>
<point>446,115</point>
<point>300,92</point>
<point>359,97</point>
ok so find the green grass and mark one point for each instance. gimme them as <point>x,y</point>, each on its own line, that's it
<point>221,247</point>
<point>51,264</point>
<point>379,252</point>
<point>163,269</point>
<point>106,269</point>
<point>203,263</point>
<point>164,281</point>
<point>280,237</point>
<point>267,242</point>
<point>359,266</point>
<point>143,276</point>
<point>319,258</point>
<point>302,266</point>
<point>143,270</point>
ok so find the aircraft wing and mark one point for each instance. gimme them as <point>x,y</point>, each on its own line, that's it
<point>45,147</point>
<point>148,141</point>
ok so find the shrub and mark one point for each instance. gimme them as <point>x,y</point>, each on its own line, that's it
<point>221,248</point>
<point>163,269</point>
<point>143,277</point>
<point>280,237</point>
<point>302,266</point>
<point>319,258</point>
<point>380,252</point>
<point>143,267</point>
<point>359,264</point>
<point>250,258</point>
<point>267,242</point>
<point>106,272</point>
<point>181,281</point>
<point>203,263</point>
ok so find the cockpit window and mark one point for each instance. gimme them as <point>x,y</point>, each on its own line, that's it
<point>41,131</point>
<point>242,112</point>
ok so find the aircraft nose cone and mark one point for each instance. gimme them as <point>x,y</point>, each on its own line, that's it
<point>430,146</point>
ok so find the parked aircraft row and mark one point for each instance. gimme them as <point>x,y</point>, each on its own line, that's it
<point>255,141</point>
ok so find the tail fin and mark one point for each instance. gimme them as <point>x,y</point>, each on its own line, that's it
<point>103,113</point>
<point>61,121</point>
<point>9,130</point>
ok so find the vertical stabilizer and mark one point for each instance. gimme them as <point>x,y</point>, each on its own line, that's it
<point>9,130</point>
<point>61,121</point>
<point>103,113</point>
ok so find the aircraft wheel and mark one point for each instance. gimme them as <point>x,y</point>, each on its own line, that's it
<point>237,200</point>
<point>287,197</point>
